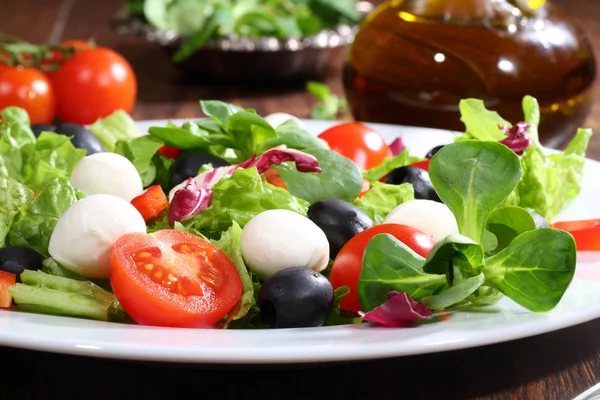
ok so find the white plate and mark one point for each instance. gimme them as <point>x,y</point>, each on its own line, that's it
<point>503,322</point>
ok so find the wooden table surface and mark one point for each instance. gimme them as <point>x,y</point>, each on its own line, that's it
<point>558,365</point>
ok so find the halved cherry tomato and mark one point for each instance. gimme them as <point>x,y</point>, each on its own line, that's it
<point>422,164</point>
<point>170,152</point>
<point>151,202</point>
<point>358,142</point>
<point>585,232</point>
<point>30,89</point>
<point>6,281</point>
<point>347,266</point>
<point>93,84</point>
<point>173,278</point>
<point>274,178</point>
<point>366,186</point>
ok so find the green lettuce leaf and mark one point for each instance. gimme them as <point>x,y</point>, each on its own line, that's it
<point>340,178</point>
<point>230,243</point>
<point>16,142</point>
<point>141,152</point>
<point>550,180</point>
<point>12,195</point>
<point>388,165</point>
<point>36,219</point>
<point>117,126</point>
<point>240,198</point>
<point>54,157</point>
<point>382,198</point>
<point>481,123</point>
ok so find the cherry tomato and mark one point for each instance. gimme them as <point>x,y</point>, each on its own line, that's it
<point>358,142</point>
<point>30,89</point>
<point>170,152</point>
<point>585,232</point>
<point>151,202</point>
<point>173,278</point>
<point>274,178</point>
<point>422,164</point>
<point>93,84</point>
<point>347,266</point>
<point>577,225</point>
<point>6,281</point>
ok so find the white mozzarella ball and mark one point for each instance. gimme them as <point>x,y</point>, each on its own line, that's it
<point>430,217</point>
<point>107,173</point>
<point>85,234</point>
<point>275,240</point>
<point>278,119</point>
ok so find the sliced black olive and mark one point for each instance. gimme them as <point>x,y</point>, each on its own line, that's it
<point>188,165</point>
<point>418,177</point>
<point>81,137</point>
<point>540,222</point>
<point>37,129</point>
<point>433,151</point>
<point>19,258</point>
<point>340,221</point>
<point>295,298</point>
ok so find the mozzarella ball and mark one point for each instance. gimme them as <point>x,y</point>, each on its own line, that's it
<point>277,119</point>
<point>85,234</point>
<point>430,217</point>
<point>275,240</point>
<point>107,173</point>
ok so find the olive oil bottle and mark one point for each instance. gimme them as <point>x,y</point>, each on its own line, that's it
<point>414,60</point>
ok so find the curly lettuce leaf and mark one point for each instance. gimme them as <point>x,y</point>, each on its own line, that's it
<point>240,198</point>
<point>117,126</point>
<point>141,152</point>
<point>37,218</point>
<point>382,198</point>
<point>388,165</point>
<point>230,243</point>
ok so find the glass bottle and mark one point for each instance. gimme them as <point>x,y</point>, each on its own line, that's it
<point>414,60</point>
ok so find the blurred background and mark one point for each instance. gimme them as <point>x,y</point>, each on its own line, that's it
<point>411,62</point>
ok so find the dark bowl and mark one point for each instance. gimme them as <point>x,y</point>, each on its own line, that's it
<point>234,59</point>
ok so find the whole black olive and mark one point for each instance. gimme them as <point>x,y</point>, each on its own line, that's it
<point>19,258</point>
<point>188,165</point>
<point>37,129</point>
<point>433,151</point>
<point>295,298</point>
<point>340,221</point>
<point>418,177</point>
<point>540,222</point>
<point>81,137</point>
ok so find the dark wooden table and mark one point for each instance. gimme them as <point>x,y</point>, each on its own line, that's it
<point>558,365</point>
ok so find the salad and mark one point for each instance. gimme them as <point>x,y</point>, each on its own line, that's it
<point>240,221</point>
<point>201,20</point>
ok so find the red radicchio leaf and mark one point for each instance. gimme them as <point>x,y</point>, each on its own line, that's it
<point>397,146</point>
<point>518,139</point>
<point>188,202</point>
<point>400,310</point>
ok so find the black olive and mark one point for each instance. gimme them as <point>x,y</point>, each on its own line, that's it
<point>188,165</point>
<point>418,177</point>
<point>295,298</point>
<point>19,258</point>
<point>340,221</point>
<point>540,222</point>
<point>81,137</point>
<point>433,151</point>
<point>37,129</point>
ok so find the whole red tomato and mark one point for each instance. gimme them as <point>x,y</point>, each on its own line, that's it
<point>347,266</point>
<point>93,84</point>
<point>27,88</point>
